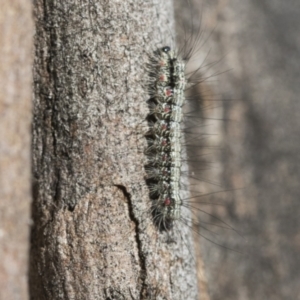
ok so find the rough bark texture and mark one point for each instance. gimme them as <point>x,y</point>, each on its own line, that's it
<point>92,236</point>
<point>16,31</point>
<point>258,42</point>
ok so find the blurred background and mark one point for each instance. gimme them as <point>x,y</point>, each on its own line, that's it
<point>252,49</point>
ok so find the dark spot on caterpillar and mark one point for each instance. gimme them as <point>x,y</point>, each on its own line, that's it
<point>166,49</point>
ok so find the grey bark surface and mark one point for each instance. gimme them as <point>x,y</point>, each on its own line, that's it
<point>92,236</point>
<point>258,42</point>
<point>16,31</point>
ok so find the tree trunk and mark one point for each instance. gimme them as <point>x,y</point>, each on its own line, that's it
<point>16,30</point>
<point>93,237</point>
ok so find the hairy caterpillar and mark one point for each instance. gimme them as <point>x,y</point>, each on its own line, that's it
<point>165,136</point>
<point>164,151</point>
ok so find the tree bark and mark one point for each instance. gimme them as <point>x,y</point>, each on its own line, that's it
<point>16,30</point>
<point>93,237</point>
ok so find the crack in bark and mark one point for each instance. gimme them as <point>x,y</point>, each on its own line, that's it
<point>127,195</point>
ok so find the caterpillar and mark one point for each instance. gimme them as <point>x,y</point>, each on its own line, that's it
<point>167,87</point>
<point>171,129</point>
<point>164,151</point>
